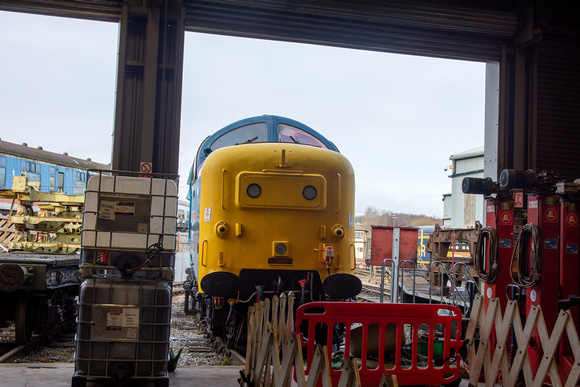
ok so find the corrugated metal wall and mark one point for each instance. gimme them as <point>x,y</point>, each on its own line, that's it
<point>558,105</point>
<point>446,29</point>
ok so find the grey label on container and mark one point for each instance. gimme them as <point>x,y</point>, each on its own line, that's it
<point>115,323</point>
<point>124,212</point>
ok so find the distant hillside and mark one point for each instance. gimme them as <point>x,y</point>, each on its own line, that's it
<point>376,217</point>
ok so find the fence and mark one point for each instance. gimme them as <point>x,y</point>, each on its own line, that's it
<point>500,362</point>
<point>416,342</point>
<point>274,352</point>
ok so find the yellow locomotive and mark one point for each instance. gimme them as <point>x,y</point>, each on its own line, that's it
<point>272,211</point>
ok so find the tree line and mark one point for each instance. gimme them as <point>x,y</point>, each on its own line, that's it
<point>374,217</point>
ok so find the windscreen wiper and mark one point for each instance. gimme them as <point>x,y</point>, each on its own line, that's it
<point>248,141</point>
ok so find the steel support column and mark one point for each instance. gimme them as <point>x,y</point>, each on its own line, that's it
<point>149,81</point>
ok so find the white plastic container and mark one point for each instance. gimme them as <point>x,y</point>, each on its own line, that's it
<point>125,212</point>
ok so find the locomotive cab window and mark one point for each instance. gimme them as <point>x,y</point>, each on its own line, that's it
<point>288,133</point>
<point>257,132</point>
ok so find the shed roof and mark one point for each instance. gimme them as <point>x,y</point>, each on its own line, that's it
<point>40,154</point>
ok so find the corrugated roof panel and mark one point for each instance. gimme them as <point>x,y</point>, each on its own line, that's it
<point>49,157</point>
<point>417,28</point>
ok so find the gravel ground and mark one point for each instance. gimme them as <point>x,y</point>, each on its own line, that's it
<point>187,334</point>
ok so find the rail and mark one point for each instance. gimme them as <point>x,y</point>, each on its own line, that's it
<point>456,297</point>
<point>19,351</point>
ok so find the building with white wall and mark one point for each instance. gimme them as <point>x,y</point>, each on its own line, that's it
<point>360,240</point>
<point>462,210</point>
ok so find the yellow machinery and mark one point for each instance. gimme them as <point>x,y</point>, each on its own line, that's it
<point>44,222</point>
<point>38,273</point>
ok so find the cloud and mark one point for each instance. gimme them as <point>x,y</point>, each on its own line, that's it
<point>397,118</point>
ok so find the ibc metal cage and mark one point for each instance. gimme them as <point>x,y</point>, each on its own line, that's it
<point>128,244</point>
<point>123,330</point>
<point>125,216</point>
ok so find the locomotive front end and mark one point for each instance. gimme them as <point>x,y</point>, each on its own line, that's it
<point>276,218</point>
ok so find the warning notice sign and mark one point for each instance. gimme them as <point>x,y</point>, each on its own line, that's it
<point>115,323</point>
<point>571,219</point>
<point>505,217</point>
<point>114,320</point>
<point>551,215</point>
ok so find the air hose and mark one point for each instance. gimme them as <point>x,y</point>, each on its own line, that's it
<point>519,257</point>
<point>151,252</point>
<point>487,235</point>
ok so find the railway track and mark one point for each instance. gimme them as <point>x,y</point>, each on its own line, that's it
<point>372,293</point>
<point>11,351</point>
<point>197,347</point>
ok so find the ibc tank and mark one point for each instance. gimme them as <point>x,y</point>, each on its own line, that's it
<point>123,326</point>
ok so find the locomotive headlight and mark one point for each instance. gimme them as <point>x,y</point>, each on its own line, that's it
<point>222,229</point>
<point>280,249</point>
<point>253,190</point>
<point>337,232</point>
<point>309,192</point>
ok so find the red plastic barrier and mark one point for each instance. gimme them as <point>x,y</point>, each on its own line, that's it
<point>365,325</point>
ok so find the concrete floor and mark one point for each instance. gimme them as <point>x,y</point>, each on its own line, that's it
<point>60,375</point>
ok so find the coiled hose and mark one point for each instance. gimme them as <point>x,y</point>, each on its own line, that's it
<point>151,252</point>
<point>487,234</point>
<point>519,257</point>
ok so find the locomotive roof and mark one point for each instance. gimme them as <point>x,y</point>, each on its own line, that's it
<point>271,120</point>
<point>39,154</point>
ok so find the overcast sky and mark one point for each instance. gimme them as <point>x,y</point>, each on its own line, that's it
<point>396,118</point>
